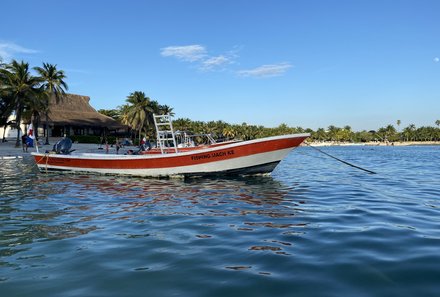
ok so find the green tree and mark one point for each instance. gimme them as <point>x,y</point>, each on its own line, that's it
<point>364,136</point>
<point>54,86</point>
<point>165,109</point>
<point>34,108</point>
<point>390,133</point>
<point>6,102</point>
<point>6,109</point>
<point>426,133</point>
<point>139,113</point>
<point>113,113</point>
<point>347,134</point>
<point>282,129</point>
<point>183,124</point>
<point>20,86</point>
<point>229,132</point>
<point>320,134</point>
<point>437,132</point>
<point>409,132</point>
<point>333,132</point>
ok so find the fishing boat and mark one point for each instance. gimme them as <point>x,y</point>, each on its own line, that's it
<point>258,156</point>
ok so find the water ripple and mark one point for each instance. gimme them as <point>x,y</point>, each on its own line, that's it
<point>316,227</point>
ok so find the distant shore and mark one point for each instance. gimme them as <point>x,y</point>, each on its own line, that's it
<point>373,143</point>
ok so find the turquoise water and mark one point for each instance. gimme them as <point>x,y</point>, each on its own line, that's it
<point>316,227</point>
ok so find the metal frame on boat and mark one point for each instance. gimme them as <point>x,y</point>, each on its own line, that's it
<point>170,141</point>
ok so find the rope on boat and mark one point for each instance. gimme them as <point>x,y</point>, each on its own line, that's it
<point>47,160</point>
<point>342,161</point>
<point>46,156</point>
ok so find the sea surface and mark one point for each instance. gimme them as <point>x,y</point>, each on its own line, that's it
<point>315,227</point>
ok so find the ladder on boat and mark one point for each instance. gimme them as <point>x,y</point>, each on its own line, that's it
<point>165,132</point>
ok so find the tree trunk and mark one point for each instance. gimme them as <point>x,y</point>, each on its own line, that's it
<point>17,125</point>
<point>4,132</point>
<point>47,127</point>
<point>36,124</point>
<point>139,135</point>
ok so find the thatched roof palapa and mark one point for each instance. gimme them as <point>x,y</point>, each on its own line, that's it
<point>75,110</point>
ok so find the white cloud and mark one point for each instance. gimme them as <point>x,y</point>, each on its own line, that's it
<point>198,55</point>
<point>9,49</point>
<point>266,70</point>
<point>189,53</point>
<point>215,62</point>
<point>436,59</point>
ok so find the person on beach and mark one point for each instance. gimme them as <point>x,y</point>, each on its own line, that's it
<point>147,145</point>
<point>142,144</point>
<point>117,145</point>
<point>24,142</point>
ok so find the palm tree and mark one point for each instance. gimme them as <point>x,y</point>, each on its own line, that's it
<point>409,132</point>
<point>20,86</point>
<point>229,132</point>
<point>391,132</point>
<point>6,106</point>
<point>34,108</point>
<point>282,129</point>
<point>139,112</point>
<point>183,124</point>
<point>6,109</point>
<point>165,109</point>
<point>155,106</point>
<point>124,118</point>
<point>123,111</point>
<point>113,113</point>
<point>347,133</point>
<point>333,132</point>
<point>52,81</point>
<point>320,134</point>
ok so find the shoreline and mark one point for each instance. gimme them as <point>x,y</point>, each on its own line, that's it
<point>9,151</point>
<point>373,143</point>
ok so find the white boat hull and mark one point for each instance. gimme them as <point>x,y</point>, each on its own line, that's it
<point>247,157</point>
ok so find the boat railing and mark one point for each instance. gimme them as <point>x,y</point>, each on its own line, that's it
<point>165,132</point>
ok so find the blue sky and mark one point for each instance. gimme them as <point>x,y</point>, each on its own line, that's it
<point>308,63</point>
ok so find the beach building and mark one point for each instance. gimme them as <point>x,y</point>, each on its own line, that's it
<point>9,131</point>
<point>73,115</point>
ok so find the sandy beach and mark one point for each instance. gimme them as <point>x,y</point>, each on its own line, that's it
<point>9,151</point>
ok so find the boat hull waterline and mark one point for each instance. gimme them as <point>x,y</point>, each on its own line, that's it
<point>246,157</point>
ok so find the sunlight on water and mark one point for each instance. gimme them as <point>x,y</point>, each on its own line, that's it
<point>315,227</point>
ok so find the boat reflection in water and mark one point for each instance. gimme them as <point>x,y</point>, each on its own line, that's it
<point>80,210</point>
<point>251,190</point>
